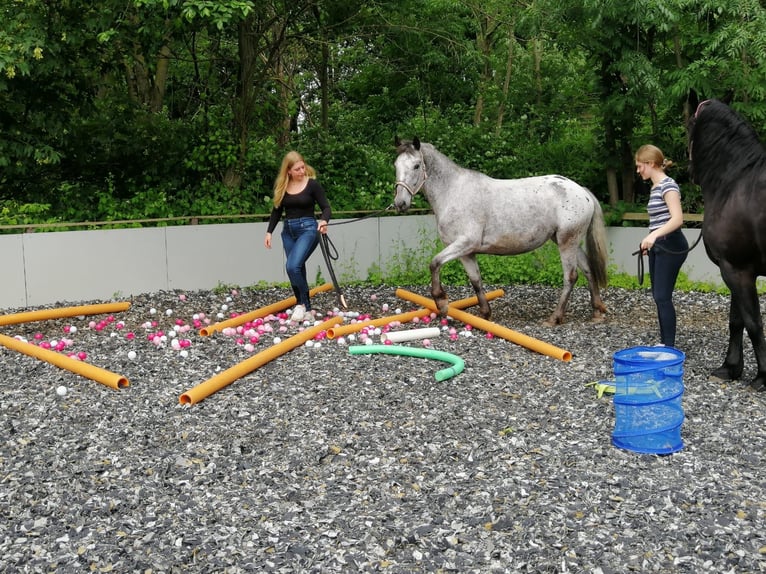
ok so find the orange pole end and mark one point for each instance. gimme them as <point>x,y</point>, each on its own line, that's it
<point>45,314</point>
<point>405,317</point>
<point>225,378</point>
<point>258,313</point>
<point>490,327</point>
<point>78,367</point>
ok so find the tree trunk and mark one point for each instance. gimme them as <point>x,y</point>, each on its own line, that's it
<point>610,144</point>
<point>538,58</point>
<point>482,45</point>
<point>324,80</point>
<point>611,184</point>
<point>507,81</point>
<point>243,105</point>
<point>628,173</point>
<point>160,79</point>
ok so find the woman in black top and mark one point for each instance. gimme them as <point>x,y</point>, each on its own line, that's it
<point>296,192</point>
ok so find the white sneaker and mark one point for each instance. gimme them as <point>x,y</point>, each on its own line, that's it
<point>298,312</point>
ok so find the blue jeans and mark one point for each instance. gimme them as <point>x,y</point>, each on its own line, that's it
<point>663,270</point>
<point>299,238</point>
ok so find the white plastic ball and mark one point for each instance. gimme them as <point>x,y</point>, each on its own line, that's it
<point>131,355</point>
<point>61,390</point>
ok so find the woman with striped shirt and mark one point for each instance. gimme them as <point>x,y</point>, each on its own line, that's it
<point>665,244</point>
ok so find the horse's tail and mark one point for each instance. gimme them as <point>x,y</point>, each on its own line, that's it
<point>596,245</point>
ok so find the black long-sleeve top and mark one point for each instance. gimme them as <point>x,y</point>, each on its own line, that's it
<point>301,205</point>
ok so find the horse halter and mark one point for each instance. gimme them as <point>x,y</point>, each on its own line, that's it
<point>420,185</point>
<point>701,105</point>
<point>690,145</point>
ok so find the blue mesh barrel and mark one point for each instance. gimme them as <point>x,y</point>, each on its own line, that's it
<point>647,401</point>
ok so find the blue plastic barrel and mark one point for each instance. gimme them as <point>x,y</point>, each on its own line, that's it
<point>647,401</point>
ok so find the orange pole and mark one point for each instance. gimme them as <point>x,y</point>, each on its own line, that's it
<point>490,327</point>
<point>44,314</point>
<point>262,312</point>
<point>406,317</point>
<point>78,367</point>
<point>219,381</point>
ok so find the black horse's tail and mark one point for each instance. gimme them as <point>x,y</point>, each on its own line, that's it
<point>596,246</point>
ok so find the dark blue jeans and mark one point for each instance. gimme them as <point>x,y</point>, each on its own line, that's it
<point>664,267</point>
<point>299,238</point>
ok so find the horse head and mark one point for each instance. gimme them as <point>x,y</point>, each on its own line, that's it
<point>721,145</point>
<point>410,172</point>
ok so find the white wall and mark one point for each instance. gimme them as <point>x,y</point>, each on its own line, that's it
<point>74,266</point>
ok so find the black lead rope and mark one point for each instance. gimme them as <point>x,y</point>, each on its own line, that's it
<point>329,256</point>
<point>330,252</point>
<point>380,211</point>
<point>640,270</point>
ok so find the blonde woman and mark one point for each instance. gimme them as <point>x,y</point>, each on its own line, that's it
<point>296,193</point>
<point>665,244</point>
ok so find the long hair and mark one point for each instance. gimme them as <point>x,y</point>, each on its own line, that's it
<point>722,147</point>
<point>280,183</point>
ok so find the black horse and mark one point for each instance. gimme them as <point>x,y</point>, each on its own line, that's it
<point>728,162</point>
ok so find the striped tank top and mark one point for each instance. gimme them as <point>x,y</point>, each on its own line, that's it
<point>658,211</point>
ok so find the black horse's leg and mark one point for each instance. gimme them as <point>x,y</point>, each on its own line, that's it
<point>471,267</point>
<point>733,364</point>
<point>750,317</point>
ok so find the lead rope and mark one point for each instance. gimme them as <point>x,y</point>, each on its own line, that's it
<point>378,212</point>
<point>329,256</point>
<point>640,263</point>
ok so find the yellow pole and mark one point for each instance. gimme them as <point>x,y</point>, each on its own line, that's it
<point>490,327</point>
<point>45,314</point>
<point>262,312</point>
<point>225,378</point>
<point>405,317</point>
<point>78,367</point>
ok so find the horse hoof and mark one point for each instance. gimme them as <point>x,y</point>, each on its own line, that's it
<point>724,373</point>
<point>553,321</point>
<point>758,384</point>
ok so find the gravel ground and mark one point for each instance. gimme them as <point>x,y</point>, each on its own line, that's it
<point>323,461</point>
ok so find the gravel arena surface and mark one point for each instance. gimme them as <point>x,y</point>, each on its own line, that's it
<point>324,461</point>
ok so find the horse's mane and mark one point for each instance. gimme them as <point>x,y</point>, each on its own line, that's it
<point>723,146</point>
<point>443,162</point>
